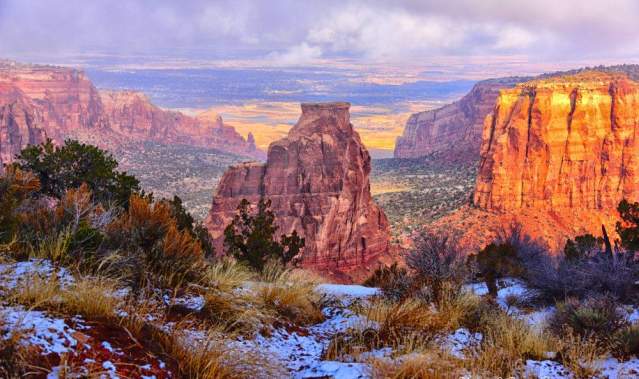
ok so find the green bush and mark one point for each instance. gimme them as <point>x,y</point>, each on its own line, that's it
<point>582,247</point>
<point>628,230</point>
<point>498,260</point>
<point>250,237</point>
<point>60,168</point>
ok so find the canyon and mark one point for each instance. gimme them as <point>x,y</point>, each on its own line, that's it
<point>557,156</point>
<point>39,102</point>
<point>317,179</point>
<point>453,131</point>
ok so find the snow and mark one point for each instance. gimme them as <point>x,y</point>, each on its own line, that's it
<point>460,340</point>
<point>612,368</point>
<point>345,290</point>
<point>17,273</point>
<point>334,369</point>
<point>51,334</point>
<point>546,369</point>
<point>301,352</point>
<point>194,303</point>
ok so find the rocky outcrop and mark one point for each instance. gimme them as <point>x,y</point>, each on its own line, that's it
<point>558,154</point>
<point>132,114</point>
<point>455,129</point>
<point>21,122</point>
<point>562,143</point>
<point>317,181</point>
<point>59,103</point>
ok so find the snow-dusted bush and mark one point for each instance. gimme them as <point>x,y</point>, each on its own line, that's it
<point>434,261</point>
<point>596,316</point>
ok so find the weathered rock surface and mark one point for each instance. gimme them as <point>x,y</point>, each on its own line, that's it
<point>317,180</point>
<point>132,114</point>
<point>454,129</point>
<point>38,101</point>
<point>21,122</point>
<point>562,143</point>
<point>557,156</point>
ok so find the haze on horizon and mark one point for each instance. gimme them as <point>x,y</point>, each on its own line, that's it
<point>521,36</point>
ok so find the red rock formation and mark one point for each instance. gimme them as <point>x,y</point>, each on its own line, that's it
<point>454,129</point>
<point>557,156</point>
<point>562,143</point>
<point>62,103</point>
<point>132,114</point>
<point>21,122</point>
<point>317,180</point>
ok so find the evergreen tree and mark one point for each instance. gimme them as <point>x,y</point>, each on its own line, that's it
<point>60,168</point>
<point>250,237</point>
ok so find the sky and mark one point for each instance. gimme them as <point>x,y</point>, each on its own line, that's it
<point>298,33</point>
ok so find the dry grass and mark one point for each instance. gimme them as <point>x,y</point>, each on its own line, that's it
<point>91,297</point>
<point>16,359</point>
<point>429,364</point>
<point>578,354</point>
<point>54,247</point>
<point>507,344</point>
<point>227,275</point>
<point>289,294</point>
<point>35,291</point>
<point>212,357</point>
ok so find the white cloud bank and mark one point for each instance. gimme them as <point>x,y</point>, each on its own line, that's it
<point>297,32</point>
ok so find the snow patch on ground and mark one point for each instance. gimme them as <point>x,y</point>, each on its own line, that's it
<point>300,351</point>
<point>459,341</point>
<point>51,334</point>
<point>345,290</point>
<point>338,370</point>
<point>19,273</point>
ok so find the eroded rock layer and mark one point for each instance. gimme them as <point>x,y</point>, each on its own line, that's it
<point>557,156</point>
<point>454,129</point>
<point>38,102</point>
<point>563,143</point>
<point>317,180</point>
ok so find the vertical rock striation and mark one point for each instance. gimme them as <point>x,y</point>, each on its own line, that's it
<point>562,143</point>
<point>317,180</point>
<point>454,129</point>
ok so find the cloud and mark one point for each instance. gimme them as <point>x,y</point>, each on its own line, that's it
<point>297,32</point>
<point>296,55</point>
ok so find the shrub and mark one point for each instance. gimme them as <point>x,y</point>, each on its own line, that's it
<point>628,230</point>
<point>153,248</point>
<point>185,221</point>
<point>597,316</point>
<point>434,262</point>
<point>250,237</point>
<point>582,247</point>
<point>394,281</point>
<point>555,278</point>
<point>625,342</point>
<point>60,168</point>
<point>16,186</point>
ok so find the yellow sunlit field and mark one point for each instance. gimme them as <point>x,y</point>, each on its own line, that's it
<point>378,126</point>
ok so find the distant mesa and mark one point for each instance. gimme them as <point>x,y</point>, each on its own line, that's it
<point>318,181</point>
<point>39,102</point>
<point>454,130</point>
